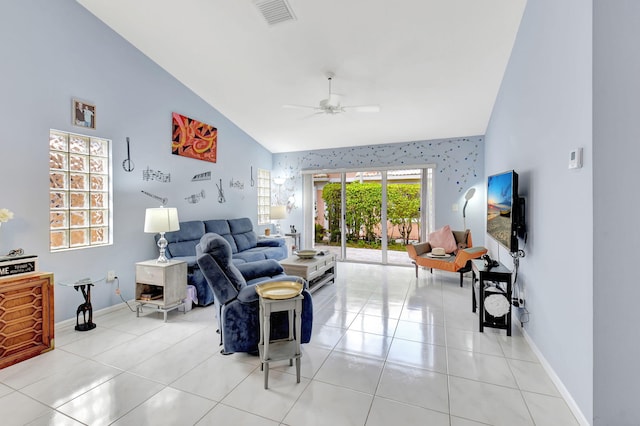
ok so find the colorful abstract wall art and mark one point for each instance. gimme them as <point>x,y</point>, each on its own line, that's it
<point>193,139</point>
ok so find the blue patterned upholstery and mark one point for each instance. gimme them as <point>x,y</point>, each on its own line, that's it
<point>236,299</point>
<point>238,233</point>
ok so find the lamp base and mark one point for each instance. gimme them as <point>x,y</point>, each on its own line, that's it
<point>162,244</point>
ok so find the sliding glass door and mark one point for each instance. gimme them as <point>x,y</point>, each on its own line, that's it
<point>363,216</point>
<point>403,212</point>
<point>370,215</point>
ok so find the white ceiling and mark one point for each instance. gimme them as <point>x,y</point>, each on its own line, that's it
<point>433,66</point>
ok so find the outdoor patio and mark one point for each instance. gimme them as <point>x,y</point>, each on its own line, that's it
<point>369,255</point>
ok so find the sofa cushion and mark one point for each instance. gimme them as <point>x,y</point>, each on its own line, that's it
<point>276,253</point>
<point>443,237</point>
<point>221,227</point>
<point>249,255</point>
<point>182,243</point>
<point>191,230</point>
<point>182,248</point>
<point>242,231</point>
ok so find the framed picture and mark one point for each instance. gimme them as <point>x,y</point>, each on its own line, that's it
<point>193,139</point>
<point>83,114</point>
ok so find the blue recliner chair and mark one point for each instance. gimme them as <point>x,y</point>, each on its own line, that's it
<point>236,300</point>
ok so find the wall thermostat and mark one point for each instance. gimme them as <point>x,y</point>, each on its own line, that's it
<point>575,158</point>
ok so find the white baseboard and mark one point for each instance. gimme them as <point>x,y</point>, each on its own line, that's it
<point>556,380</point>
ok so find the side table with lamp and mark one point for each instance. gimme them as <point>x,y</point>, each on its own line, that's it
<point>161,283</point>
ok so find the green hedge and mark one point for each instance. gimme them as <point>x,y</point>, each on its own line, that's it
<point>364,209</point>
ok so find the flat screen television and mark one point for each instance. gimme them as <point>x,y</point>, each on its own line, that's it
<point>505,210</point>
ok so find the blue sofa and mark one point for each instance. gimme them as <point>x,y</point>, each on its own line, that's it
<point>243,241</point>
<point>236,299</point>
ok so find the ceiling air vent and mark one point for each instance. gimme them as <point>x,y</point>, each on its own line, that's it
<point>275,11</point>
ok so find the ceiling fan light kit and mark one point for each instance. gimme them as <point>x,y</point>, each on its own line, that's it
<point>332,105</point>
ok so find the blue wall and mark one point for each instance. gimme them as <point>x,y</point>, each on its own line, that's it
<point>543,111</point>
<point>53,51</point>
<point>459,165</point>
<point>616,292</point>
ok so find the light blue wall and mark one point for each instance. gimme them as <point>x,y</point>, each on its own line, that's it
<point>616,89</point>
<point>543,110</point>
<point>459,165</point>
<point>52,51</point>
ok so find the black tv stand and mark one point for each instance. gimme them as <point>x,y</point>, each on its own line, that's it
<point>483,279</point>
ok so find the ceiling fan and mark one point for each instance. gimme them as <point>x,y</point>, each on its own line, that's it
<point>333,104</point>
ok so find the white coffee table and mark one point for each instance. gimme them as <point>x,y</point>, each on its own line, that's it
<point>318,270</point>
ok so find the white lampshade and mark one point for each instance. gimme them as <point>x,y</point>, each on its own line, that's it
<point>278,212</point>
<point>161,219</point>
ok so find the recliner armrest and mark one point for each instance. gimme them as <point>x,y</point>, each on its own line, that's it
<point>272,242</point>
<point>417,249</point>
<point>260,268</point>
<point>248,294</point>
<point>467,254</point>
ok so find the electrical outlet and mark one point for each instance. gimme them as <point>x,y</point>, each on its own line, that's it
<point>111,276</point>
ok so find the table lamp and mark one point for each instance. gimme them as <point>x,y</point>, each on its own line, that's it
<point>161,220</point>
<point>277,213</point>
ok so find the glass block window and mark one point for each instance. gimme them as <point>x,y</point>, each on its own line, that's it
<point>264,196</point>
<point>79,191</point>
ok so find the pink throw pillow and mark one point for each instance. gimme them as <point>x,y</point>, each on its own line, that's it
<point>443,237</point>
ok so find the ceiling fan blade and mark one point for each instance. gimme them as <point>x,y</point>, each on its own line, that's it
<point>306,117</point>
<point>362,108</point>
<point>290,106</point>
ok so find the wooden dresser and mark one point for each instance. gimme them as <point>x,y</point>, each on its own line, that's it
<point>26,316</point>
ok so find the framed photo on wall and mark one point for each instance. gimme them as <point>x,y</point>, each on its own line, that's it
<point>83,114</point>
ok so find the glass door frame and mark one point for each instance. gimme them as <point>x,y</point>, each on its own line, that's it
<point>426,203</point>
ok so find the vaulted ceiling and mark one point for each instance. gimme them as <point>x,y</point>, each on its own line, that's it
<point>433,66</point>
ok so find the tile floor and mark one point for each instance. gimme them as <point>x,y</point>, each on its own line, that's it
<point>387,349</point>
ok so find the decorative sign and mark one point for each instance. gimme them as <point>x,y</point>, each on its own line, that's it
<point>221,198</point>
<point>163,200</point>
<point>10,265</point>
<point>191,138</point>
<point>201,176</point>
<point>156,175</point>
<point>195,198</point>
<point>236,184</point>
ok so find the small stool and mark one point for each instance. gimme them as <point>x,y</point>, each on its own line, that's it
<point>279,350</point>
